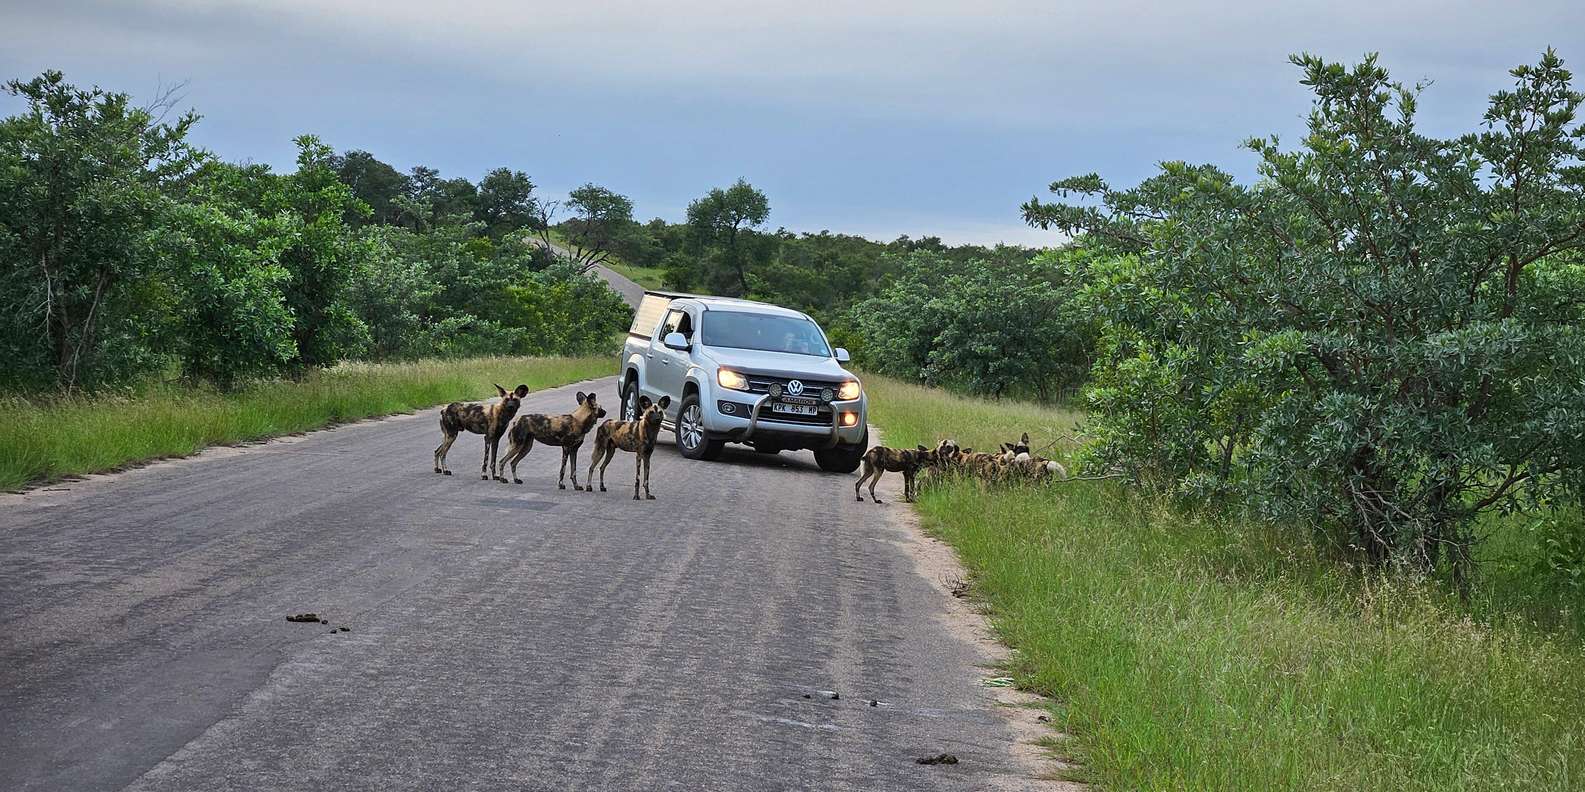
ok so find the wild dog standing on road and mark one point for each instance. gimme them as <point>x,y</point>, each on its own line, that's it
<point>566,431</point>
<point>489,420</point>
<point>881,459</point>
<point>635,436</point>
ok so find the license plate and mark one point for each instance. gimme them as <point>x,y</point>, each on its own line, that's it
<point>793,409</point>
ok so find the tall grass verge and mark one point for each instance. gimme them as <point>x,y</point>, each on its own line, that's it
<point>1207,651</point>
<point>46,440</point>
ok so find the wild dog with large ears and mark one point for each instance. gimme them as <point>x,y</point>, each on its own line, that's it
<point>566,431</point>
<point>881,459</point>
<point>489,420</point>
<point>635,436</point>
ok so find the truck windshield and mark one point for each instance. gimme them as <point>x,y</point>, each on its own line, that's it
<point>764,332</point>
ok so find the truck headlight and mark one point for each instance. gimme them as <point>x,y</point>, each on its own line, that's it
<point>850,390</point>
<point>731,379</point>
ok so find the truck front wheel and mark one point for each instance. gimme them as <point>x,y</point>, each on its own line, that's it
<point>843,458</point>
<point>692,440</point>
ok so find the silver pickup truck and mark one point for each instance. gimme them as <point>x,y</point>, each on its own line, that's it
<point>739,371</point>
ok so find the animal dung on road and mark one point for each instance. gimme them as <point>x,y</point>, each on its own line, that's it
<point>304,617</point>
<point>938,759</point>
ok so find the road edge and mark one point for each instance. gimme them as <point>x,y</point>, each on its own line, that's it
<point>964,618</point>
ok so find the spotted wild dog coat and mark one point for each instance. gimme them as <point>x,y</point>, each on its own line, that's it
<point>490,420</point>
<point>881,459</point>
<point>635,436</point>
<point>566,431</point>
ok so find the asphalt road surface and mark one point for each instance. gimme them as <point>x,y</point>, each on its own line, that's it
<point>631,292</point>
<point>502,636</point>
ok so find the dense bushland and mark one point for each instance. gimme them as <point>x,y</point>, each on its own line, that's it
<point>127,253</point>
<point>1381,338</point>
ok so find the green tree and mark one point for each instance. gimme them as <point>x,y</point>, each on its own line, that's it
<point>506,202</point>
<point>230,320</point>
<point>373,182</point>
<point>600,219</point>
<point>324,256</point>
<point>85,182</point>
<point>1387,325</point>
<point>720,223</point>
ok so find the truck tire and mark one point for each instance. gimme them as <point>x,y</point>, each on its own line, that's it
<point>691,438</point>
<point>629,401</point>
<point>843,458</point>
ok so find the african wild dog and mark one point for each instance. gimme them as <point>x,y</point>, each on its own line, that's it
<point>880,459</point>
<point>566,431</point>
<point>490,420</point>
<point>635,436</point>
<point>1021,461</point>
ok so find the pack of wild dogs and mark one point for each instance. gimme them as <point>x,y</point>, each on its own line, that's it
<point>567,432</point>
<point>1012,462</point>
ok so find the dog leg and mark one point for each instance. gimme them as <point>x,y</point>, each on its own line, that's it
<point>517,453</point>
<point>647,458</point>
<point>561,478</point>
<point>879,471</point>
<point>868,469</point>
<point>908,486</point>
<point>495,468</point>
<point>602,457</point>
<point>572,465</point>
<point>440,454</point>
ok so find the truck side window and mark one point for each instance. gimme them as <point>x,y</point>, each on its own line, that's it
<point>685,326</point>
<point>670,325</point>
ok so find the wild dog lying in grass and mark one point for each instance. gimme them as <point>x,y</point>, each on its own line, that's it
<point>566,431</point>
<point>1021,461</point>
<point>880,459</point>
<point>635,436</point>
<point>1012,461</point>
<point>490,420</point>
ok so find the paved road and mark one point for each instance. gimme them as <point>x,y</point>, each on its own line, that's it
<point>631,292</point>
<point>501,636</point>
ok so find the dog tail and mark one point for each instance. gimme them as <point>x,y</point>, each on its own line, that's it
<point>1055,468</point>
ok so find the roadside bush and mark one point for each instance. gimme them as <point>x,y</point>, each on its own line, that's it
<point>1383,335</point>
<point>996,329</point>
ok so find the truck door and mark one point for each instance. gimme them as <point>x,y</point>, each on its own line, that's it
<point>667,367</point>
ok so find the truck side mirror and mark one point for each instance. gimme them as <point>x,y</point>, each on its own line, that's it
<point>675,340</point>
<point>842,355</point>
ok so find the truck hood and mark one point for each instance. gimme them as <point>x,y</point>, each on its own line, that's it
<point>781,363</point>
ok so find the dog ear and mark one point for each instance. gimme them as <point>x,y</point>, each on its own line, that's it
<point>967,451</point>
<point>643,403</point>
<point>922,448</point>
<point>520,390</point>
<point>1024,440</point>
<point>664,402</point>
<point>581,397</point>
<point>500,390</point>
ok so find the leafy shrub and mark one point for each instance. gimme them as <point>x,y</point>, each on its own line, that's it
<point>998,329</point>
<point>1385,331</point>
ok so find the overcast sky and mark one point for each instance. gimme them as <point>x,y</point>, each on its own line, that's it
<point>878,118</point>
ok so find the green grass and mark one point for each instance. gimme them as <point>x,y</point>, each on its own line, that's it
<point>648,277</point>
<point>43,441</point>
<point>1202,651</point>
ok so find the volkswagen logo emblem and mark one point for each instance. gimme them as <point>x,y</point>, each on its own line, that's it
<point>795,388</point>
